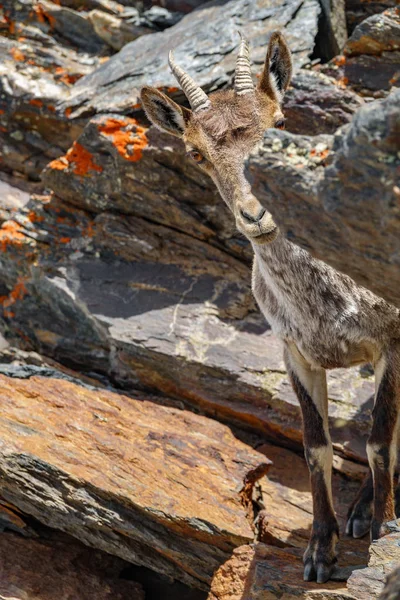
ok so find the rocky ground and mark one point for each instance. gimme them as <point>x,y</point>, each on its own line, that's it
<point>150,442</point>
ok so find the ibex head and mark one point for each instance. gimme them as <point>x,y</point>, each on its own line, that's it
<point>220,130</point>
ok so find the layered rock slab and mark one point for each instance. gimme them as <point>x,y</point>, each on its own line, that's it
<point>120,297</point>
<point>209,54</point>
<point>156,486</point>
<point>158,296</point>
<point>41,570</point>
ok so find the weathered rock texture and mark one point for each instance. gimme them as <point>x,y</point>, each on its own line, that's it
<point>169,313</point>
<point>348,212</point>
<point>367,584</point>
<point>372,54</point>
<point>264,571</point>
<point>392,587</point>
<point>209,53</point>
<point>42,570</point>
<point>317,104</point>
<point>358,10</point>
<point>154,485</point>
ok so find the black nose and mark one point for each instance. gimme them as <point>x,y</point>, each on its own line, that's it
<point>251,218</point>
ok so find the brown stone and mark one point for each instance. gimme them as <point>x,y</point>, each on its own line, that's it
<point>358,10</point>
<point>286,501</point>
<point>265,572</point>
<point>316,104</point>
<point>367,584</point>
<point>154,485</point>
<point>371,56</point>
<point>40,570</point>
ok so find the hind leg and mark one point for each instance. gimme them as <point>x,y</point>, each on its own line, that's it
<point>359,515</point>
<point>382,443</point>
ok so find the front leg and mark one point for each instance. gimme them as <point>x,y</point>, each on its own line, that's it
<point>311,389</point>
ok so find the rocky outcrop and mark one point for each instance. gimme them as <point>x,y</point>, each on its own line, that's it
<point>208,53</point>
<point>358,10</point>
<point>316,104</point>
<point>345,213</point>
<point>45,47</point>
<point>372,54</point>
<point>262,571</point>
<point>123,297</point>
<point>254,573</point>
<point>42,570</point>
<point>367,584</point>
<point>174,489</point>
<point>126,273</point>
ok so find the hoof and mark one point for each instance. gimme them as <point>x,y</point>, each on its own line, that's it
<point>320,572</point>
<point>358,527</point>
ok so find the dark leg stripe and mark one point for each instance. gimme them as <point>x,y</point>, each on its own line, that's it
<point>313,425</point>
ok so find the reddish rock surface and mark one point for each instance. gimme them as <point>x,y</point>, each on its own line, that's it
<point>44,570</point>
<point>156,486</point>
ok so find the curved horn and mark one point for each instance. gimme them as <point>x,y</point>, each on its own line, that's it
<point>243,81</point>
<point>198,99</point>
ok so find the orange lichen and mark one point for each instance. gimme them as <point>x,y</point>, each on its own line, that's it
<point>10,233</point>
<point>17,54</point>
<point>34,217</point>
<point>59,163</point>
<point>70,79</point>
<point>128,137</point>
<point>80,158</point>
<point>339,61</point>
<point>320,154</point>
<point>172,89</point>
<point>36,102</point>
<point>43,16</point>
<point>342,82</point>
<point>65,240</point>
<point>68,111</point>
<point>51,108</point>
<point>17,293</point>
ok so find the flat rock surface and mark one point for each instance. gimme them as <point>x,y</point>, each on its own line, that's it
<point>209,54</point>
<point>39,570</point>
<point>153,485</point>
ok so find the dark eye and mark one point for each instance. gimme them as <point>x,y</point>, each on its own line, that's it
<point>196,156</point>
<point>280,124</point>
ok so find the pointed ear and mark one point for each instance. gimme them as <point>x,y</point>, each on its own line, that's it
<point>277,73</point>
<point>164,112</point>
